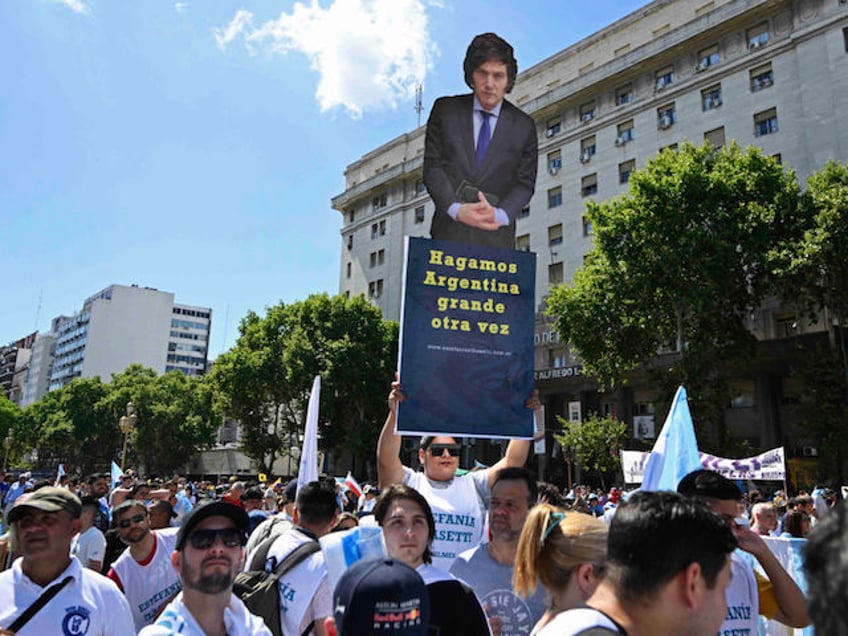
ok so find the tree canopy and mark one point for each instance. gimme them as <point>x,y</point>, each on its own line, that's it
<point>265,379</point>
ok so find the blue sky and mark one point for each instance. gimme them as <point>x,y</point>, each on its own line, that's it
<point>194,146</point>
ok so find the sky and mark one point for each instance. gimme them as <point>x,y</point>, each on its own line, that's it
<point>194,147</point>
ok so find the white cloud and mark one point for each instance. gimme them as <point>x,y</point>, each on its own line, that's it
<point>77,6</point>
<point>369,54</point>
<point>181,7</point>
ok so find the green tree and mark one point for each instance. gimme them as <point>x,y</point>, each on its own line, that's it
<point>594,443</point>
<point>176,416</point>
<point>265,379</point>
<point>11,417</point>
<point>678,264</point>
<point>70,426</point>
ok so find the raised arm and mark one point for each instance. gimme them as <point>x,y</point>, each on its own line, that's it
<point>389,466</point>
<point>517,449</point>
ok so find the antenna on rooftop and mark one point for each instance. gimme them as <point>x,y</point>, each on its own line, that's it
<point>419,90</point>
<point>38,309</point>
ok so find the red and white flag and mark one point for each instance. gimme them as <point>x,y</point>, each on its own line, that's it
<point>352,484</point>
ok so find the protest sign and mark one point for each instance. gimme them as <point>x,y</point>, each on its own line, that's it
<point>466,352</point>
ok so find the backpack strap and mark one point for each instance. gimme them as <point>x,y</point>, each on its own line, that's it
<point>294,557</point>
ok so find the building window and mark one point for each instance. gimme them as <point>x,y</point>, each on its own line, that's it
<point>420,188</point>
<point>757,36</point>
<point>778,158</point>
<point>348,270</point>
<point>382,228</point>
<point>663,78</point>
<point>555,234</point>
<point>587,112</point>
<point>761,77</point>
<point>845,38</point>
<point>375,288</point>
<point>556,357</point>
<point>555,197</point>
<point>554,161</point>
<point>670,148</point>
<point>624,171</point>
<point>380,201</point>
<point>715,137</point>
<point>707,57</point>
<point>588,148</point>
<point>553,127</point>
<point>589,184</point>
<point>555,273</point>
<point>374,229</point>
<point>765,123</point>
<point>785,326</point>
<point>419,214</point>
<point>350,242</point>
<point>377,258</point>
<point>587,226</point>
<point>625,133</point>
<point>525,212</point>
<point>711,97</point>
<point>522,243</point>
<point>666,116</point>
<point>351,214</point>
<point>373,259</point>
<point>624,95</point>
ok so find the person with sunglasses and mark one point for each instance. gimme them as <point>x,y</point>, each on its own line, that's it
<point>144,572</point>
<point>458,501</point>
<point>208,554</point>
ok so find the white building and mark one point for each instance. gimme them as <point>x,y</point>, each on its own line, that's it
<point>120,326</point>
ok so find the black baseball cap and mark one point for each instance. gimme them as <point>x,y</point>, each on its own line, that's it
<point>381,596</point>
<point>212,509</point>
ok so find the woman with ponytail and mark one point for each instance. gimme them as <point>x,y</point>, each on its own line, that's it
<point>565,552</point>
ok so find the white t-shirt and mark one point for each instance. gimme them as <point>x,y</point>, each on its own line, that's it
<point>88,605</point>
<point>305,593</point>
<point>459,509</point>
<point>575,621</point>
<point>743,598</point>
<point>178,619</point>
<point>150,584</point>
<point>89,546</point>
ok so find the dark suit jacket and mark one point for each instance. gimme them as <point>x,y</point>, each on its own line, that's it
<point>509,170</point>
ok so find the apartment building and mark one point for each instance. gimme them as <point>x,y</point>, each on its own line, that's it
<point>122,325</point>
<point>769,73</point>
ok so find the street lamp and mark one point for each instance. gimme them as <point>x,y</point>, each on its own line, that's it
<point>127,424</point>
<point>7,445</point>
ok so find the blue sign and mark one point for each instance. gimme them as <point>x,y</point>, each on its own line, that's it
<point>466,352</point>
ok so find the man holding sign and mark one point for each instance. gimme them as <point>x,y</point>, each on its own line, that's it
<point>458,502</point>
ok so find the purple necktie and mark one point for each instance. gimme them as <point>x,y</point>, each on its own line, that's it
<point>483,138</point>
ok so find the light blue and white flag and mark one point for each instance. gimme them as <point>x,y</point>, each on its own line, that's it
<point>309,452</point>
<point>116,475</point>
<point>675,453</point>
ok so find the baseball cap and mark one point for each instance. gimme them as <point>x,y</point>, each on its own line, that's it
<point>290,491</point>
<point>47,499</point>
<point>381,596</point>
<point>211,509</point>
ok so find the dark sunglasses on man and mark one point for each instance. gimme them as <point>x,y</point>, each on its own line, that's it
<point>437,450</point>
<point>126,523</point>
<point>205,539</point>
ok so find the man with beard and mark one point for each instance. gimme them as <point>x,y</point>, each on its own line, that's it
<point>208,555</point>
<point>144,572</point>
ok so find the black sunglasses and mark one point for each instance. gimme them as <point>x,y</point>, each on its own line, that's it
<point>438,449</point>
<point>205,539</point>
<point>126,523</point>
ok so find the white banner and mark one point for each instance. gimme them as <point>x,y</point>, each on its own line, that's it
<point>767,466</point>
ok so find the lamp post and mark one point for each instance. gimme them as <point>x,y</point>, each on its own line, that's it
<point>127,424</point>
<point>7,445</point>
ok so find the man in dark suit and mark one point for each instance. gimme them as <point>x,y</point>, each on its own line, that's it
<point>481,152</point>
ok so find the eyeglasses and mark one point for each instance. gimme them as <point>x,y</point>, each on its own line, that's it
<point>438,450</point>
<point>205,539</point>
<point>126,523</point>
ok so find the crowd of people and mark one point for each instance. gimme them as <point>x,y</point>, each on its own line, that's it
<point>491,551</point>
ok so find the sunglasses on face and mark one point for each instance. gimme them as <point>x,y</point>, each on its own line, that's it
<point>205,539</point>
<point>126,523</point>
<point>437,450</point>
